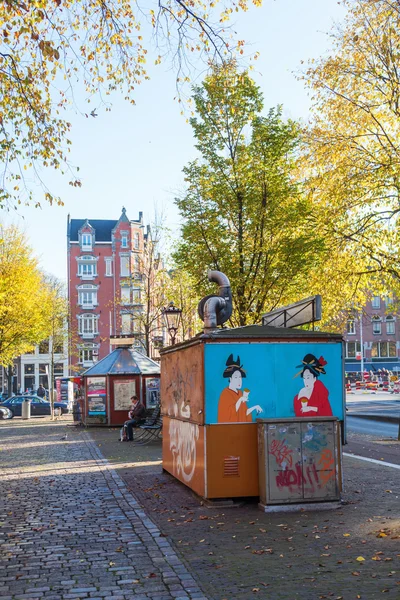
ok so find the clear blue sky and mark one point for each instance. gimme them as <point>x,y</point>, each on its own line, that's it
<point>133,156</point>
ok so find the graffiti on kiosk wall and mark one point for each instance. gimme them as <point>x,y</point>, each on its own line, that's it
<point>180,387</point>
<point>315,464</point>
<point>244,381</point>
<point>183,438</point>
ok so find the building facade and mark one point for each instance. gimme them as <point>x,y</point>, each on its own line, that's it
<point>31,369</point>
<point>106,270</point>
<point>373,334</point>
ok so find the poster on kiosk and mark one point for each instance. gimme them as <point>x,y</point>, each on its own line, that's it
<point>246,381</point>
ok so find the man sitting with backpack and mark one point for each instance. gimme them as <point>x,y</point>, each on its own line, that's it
<point>137,416</point>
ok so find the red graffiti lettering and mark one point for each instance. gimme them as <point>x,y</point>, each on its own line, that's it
<point>281,452</point>
<point>327,463</point>
<point>290,477</point>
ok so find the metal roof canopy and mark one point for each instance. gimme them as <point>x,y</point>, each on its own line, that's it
<point>303,312</point>
<point>124,361</point>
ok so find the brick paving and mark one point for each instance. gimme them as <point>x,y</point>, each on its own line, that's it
<point>69,527</point>
<point>241,553</point>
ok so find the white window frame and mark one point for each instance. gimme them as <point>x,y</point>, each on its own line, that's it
<point>357,348</point>
<point>126,323</point>
<point>87,289</point>
<point>351,327</point>
<point>87,355</point>
<point>109,266</point>
<point>136,241</point>
<point>86,241</point>
<point>376,302</point>
<point>124,239</point>
<point>376,326</point>
<point>390,325</point>
<point>125,295</point>
<point>124,265</point>
<point>87,261</point>
<point>378,347</point>
<point>88,332</point>
<point>136,296</point>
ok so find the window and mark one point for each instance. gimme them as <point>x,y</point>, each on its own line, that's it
<point>376,302</point>
<point>87,268</point>
<point>124,266</point>
<point>29,369</point>
<point>88,325</point>
<point>125,295</point>
<point>351,327</point>
<point>86,241</point>
<point>383,350</point>
<point>124,239</point>
<point>136,241</point>
<point>390,327</point>
<point>58,369</point>
<point>44,347</point>
<point>126,323</point>
<point>44,375</point>
<point>376,325</point>
<point>86,355</point>
<point>352,348</point>
<point>136,296</point>
<point>389,301</point>
<point>58,347</point>
<point>29,382</point>
<point>87,296</point>
<point>137,262</point>
<point>109,270</point>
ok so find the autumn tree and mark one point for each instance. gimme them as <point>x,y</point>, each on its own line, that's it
<point>353,161</point>
<point>244,212</point>
<point>181,289</point>
<point>24,297</point>
<point>53,50</point>
<point>57,322</point>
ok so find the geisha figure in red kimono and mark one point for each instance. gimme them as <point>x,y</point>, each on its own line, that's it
<point>312,400</point>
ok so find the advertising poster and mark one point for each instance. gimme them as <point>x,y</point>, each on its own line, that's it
<point>152,392</point>
<point>249,381</point>
<point>96,396</point>
<point>123,391</point>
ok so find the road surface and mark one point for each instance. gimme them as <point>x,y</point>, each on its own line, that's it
<point>371,427</point>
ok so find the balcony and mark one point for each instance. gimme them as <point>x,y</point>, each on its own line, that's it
<point>88,335</point>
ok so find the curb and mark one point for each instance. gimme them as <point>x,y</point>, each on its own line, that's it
<point>376,417</point>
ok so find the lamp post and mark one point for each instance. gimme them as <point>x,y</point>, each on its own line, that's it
<point>172,316</point>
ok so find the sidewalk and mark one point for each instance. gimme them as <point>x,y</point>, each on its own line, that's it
<point>70,529</point>
<point>241,553</point>
<point>75,526</point>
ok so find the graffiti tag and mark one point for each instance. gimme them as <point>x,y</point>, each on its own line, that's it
<point>282,452</point>
<point>297,477</point>
<point>327,463</point>
<point>182,443</point>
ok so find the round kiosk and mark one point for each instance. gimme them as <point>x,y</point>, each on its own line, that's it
<point>110,384</point>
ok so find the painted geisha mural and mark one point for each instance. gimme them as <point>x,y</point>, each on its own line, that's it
<point>245,381</point>
<point>233,406</point>
<point>313,398</point>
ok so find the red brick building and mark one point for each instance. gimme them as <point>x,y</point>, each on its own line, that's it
<point>105,259</point>
<point>374,334</point>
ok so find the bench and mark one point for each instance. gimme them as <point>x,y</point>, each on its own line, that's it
<point>151,428</point>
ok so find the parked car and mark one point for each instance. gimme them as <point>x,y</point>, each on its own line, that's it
<point>5,413</point>
<point>39,406</point>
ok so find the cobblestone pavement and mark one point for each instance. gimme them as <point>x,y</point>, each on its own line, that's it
<point>70,529</point>
<point>241,553</point>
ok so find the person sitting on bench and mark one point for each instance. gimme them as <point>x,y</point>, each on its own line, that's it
<point>137,416</point>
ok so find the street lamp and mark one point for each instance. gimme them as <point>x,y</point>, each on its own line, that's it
<point>172,317</point>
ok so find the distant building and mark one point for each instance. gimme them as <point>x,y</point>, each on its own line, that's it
<point>105,286</point>
<point>375,332</point>
<point>33,368</point>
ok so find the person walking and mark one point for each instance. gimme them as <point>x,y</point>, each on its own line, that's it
<point>41,392</point>
<point>137,416</point>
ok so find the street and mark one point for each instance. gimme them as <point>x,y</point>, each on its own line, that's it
<point>89,517</point>
<point>372,427</point>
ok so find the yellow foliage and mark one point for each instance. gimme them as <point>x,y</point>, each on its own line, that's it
<point>24,298</point>
<point>46,43</point>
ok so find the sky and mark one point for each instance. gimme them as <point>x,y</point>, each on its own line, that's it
<point>133,156</point>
